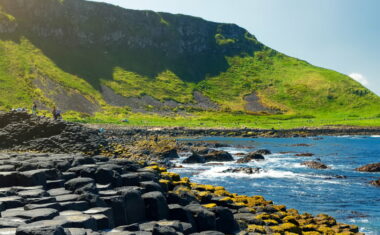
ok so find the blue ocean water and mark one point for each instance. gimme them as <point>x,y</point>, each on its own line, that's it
<point>285,181</point>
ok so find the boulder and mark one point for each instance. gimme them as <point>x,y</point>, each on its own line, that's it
<point>218,156</point>
<point>156,207</point>
<point>375,182</point>
<point>169,154</point>
<point>314,165</point>
<point>263,151</point>
<point>251,156</point>
<point>374,167</point>
<point>194,158</point>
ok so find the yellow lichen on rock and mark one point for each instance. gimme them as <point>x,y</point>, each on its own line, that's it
<point>286,227</point>
<point>252,228</point>
<point>210,205</point>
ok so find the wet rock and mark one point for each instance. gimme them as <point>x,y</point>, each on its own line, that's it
<point>375,182</point>
<point>374,167</point>
<point>245,170</point>
<point>263,152</point>
<point>194,158</point>
<point>314,165</point>
<point>251,156</point>
<point>218,156</point>
<point>304,154</point>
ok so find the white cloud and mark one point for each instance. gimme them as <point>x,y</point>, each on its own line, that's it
<point>360,78</point>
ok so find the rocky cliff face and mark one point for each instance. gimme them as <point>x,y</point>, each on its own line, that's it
<point>127,38</point>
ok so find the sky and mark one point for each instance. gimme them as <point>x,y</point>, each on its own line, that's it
<point>343,35</point>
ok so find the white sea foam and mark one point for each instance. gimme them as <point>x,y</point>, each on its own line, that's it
<point>375,136</point>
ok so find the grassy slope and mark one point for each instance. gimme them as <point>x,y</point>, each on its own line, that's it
<point>286,88</point>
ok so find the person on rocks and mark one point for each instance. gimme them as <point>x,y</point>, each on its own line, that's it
<point>34,108</point>
<point>56,113</point>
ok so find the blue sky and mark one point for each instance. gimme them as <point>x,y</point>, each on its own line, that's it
<point>343,35</point>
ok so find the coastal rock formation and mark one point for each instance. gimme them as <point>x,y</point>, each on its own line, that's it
<point>374,167</point>
<point>375,182</point>
<point>76,194</point>
<point>251,156</point>
<point>304,154</point>
<point>23,131</point>
<point>218,156</point>
<point>194,158</point>
<point>263,152</point>
<point>315,165</point>
<point>213,156</point>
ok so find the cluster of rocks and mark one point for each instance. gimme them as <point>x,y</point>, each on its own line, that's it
<point>23,131</point>
<point>373,167</point>
<point>212,156</point>
<point>74,194</point>
<point>247,132</point>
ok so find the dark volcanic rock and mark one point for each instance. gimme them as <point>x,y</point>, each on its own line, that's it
<point>374,167</point>
<point>263,151</point>
<point>23,131</point>
<point>156,207</point>
<point>315,165</point>
<point>194,158</point>
<point>218,156</point>
<point>251,156</point>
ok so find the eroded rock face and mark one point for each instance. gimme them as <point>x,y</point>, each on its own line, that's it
<point>23,131</point>
<point>374,167</point>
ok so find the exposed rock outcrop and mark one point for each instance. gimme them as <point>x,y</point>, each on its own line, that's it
<point>374,167</point>
<point>23,131</point>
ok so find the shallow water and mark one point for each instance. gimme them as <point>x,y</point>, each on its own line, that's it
<point>285,181</point>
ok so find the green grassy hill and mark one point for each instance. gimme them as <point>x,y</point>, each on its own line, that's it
<point>99,61</point>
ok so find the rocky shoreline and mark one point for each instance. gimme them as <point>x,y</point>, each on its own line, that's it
<point>84,186</point>
<point>251,133</point>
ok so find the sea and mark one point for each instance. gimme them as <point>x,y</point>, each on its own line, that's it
<point>340,191</point>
